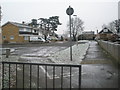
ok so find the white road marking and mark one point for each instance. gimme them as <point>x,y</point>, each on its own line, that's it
<point>56,76</point>
<point>45,72</point>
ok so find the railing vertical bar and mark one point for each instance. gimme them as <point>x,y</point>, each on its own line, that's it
<point>38,77</point>
<point>53,77</point>
<point>9,76</point>
<point>23,76</point>
<point>3,75</point>
<point>30,75</point>
<point>70,77</point>
<point>46,76</point>
<point>79,77</point>
<point>16,76</point>
<point>61,77</point>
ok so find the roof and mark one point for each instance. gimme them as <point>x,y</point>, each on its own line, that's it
<point>103,31</point>
<point>18,24</point>
<point>88,32</point>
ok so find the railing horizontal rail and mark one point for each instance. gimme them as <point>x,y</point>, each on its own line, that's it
<point>44,64</point>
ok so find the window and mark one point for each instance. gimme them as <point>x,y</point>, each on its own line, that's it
<point>11,37</point>
<point>4,37</point>
<point>105,30</point>
<point>35,31</point>
<point>26,38</point>
<point>24,30</point>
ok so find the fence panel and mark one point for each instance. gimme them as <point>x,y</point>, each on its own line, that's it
<point>37,75</point>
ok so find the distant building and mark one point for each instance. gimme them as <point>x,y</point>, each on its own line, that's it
<point>13,32</point>
<point>87,35</point>
<point>104,34</point>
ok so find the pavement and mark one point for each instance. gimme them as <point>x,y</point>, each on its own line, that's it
<point>99,69</point>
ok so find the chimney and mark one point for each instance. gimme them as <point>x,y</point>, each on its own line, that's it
<point>97,31</point>
<point>23,22</point>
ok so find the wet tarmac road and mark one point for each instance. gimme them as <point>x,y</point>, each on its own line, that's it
<point>98,69</point>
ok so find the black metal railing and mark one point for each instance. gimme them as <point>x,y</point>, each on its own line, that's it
<point>37,75</point>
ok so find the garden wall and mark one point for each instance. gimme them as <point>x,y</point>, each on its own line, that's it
<point>111,48</point>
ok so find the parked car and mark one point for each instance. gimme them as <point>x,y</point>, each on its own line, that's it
<point>37,39</point>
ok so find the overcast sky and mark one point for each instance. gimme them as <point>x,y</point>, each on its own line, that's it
<point>94,13</point>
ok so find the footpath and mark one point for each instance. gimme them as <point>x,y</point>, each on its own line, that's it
<point>99,69</point>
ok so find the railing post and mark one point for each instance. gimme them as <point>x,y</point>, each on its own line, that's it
<point>46,76</point>
<point>70,78</point>
<point>2,75</point>
<point>79,77</point>
<point>16,76</point>
<point>62,78</point>
<point>53,77</point>
<point>7,53</point>
<point>23,76</point>
<point>9,76</point>
<point>38,77</point>
<point>30,76</point>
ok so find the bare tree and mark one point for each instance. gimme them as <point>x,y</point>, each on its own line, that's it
<point>76,27</point>
<point>112,27</point>
<point>104,26</point>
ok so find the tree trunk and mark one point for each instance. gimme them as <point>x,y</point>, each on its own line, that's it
<point>74,37</point>
<point>45,37</point>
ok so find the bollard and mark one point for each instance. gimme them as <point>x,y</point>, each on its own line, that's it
<point>7,53</point>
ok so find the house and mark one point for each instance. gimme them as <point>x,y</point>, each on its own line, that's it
<point>13,32</point>
<point>87,35</point>
<point>105,34</point>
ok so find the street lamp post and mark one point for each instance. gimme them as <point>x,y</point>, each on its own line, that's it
<point>117,22</point>
<point>69,12</point>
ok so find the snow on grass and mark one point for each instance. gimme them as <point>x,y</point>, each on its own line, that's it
<point>78,53</point>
